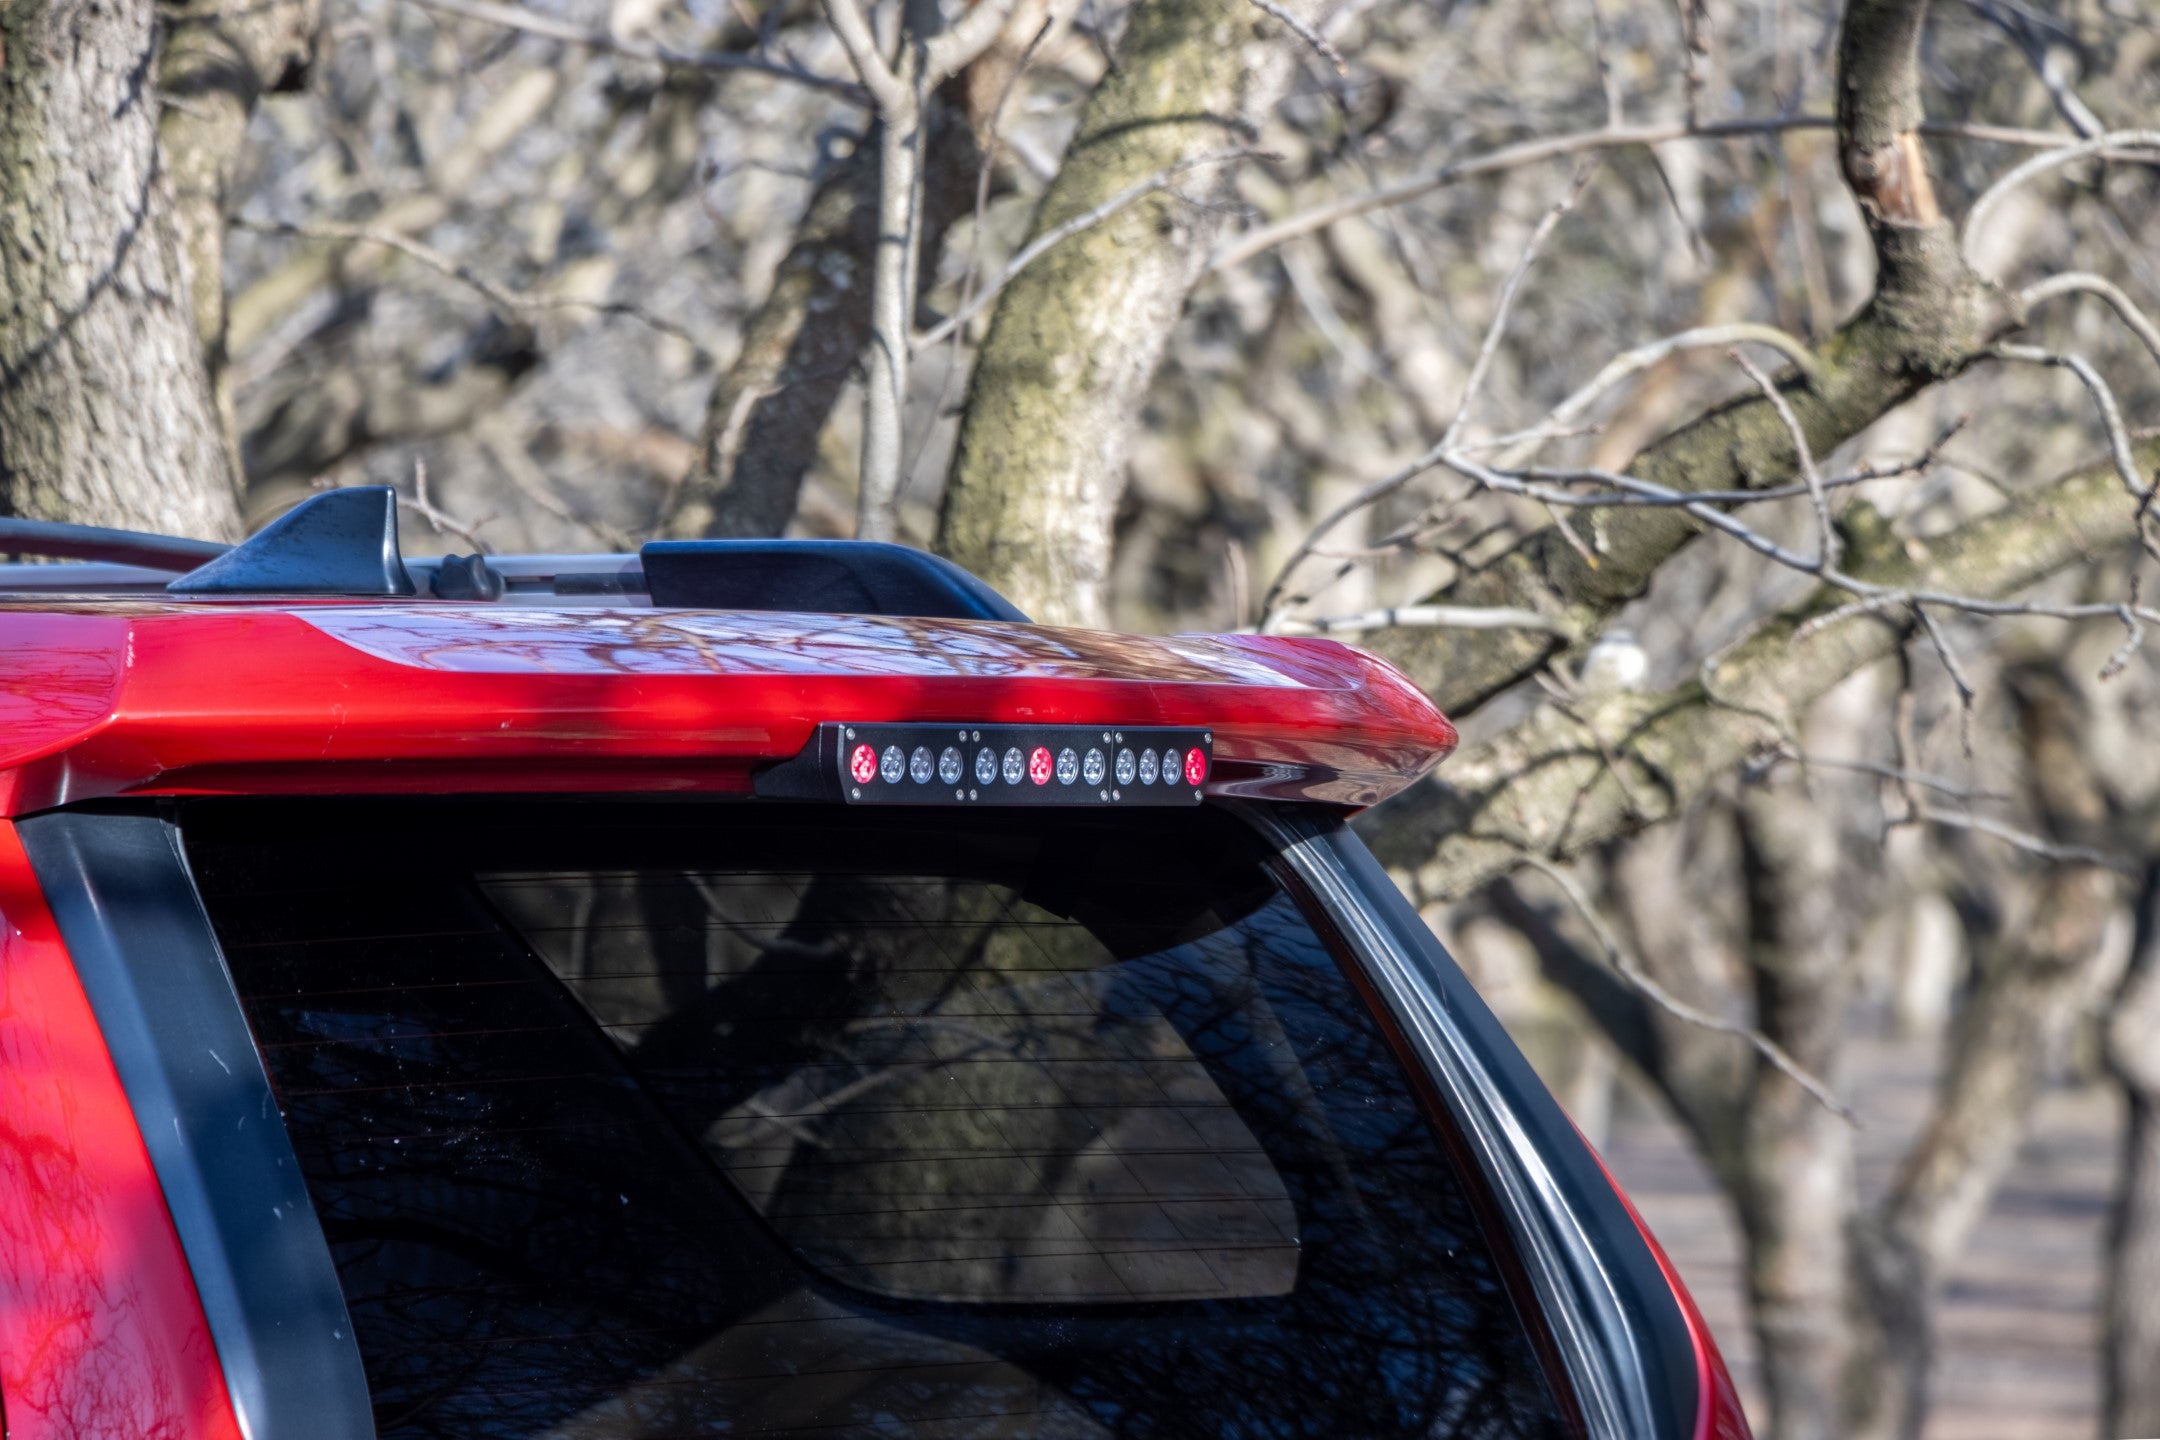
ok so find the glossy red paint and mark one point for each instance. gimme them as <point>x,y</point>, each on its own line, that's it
<point>206,698</point>
<point>101,1333</point>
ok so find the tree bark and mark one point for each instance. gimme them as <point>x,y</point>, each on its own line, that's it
<point>1792,1170</point>
<point>106,412</point>
<point>1063,376</point>
<point>220,57</point>
<point>2017,1021</point>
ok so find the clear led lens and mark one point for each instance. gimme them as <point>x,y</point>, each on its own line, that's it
<point>893,764</point>
<point>1068,766</point>
<point>1127,767</point>
<point>863,764</point>
<point>922,765</point>
<point>950,767</point>
<point>1093,767</point>
<point>1172,763</point>
<point>1150,767</point>
<point>986,766</point>
<point>1015,765</point>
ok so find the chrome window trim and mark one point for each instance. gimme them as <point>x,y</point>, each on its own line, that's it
<point>1590,1318</point>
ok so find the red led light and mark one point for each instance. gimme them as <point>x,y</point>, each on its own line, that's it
<point>863,764</point>
<point>1039,765</point>
<point>1195,765</point>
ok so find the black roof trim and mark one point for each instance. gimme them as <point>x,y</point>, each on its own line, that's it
<point>836,577</point>
<point>56,540</point>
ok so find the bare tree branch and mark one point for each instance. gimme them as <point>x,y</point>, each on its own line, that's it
<point>512,302</point>
<point>1321,45</point>
<point>1458,617</point>
<point>1624,965</point>
<point>2119,144</point>
<point>1826,555</point>
<point>1641,358</point>
<point>889,94</point>
<point>1395,480</point>
<point>512,17</point>
<point>1238,249</point>
<point>2078,282</point>
<point>1538,788</point>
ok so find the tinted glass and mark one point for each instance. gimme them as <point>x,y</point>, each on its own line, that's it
<point>702,1121</point>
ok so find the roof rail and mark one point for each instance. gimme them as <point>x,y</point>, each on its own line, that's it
<point>56,540</point>
<point>344,543</point>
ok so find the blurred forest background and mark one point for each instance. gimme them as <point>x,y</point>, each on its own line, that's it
<point>1743,416</point>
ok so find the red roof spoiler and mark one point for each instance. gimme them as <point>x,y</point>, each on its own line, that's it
<point>126,698</point>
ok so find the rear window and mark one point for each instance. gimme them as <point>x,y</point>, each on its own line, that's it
<point>726,1120</point>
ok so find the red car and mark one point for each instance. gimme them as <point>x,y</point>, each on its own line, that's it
<point>748,988</point>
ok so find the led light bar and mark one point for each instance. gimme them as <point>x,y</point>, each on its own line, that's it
<point>888,764</point>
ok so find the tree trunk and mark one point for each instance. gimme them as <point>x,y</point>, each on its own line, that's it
<point>2131,1353</point>
<point>220,57</point>
<point>1792,1180</point>
<point>106,413</point>
<point>1063,376</point>
<point>2034,967</point>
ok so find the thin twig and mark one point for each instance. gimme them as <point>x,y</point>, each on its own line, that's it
<point>1898,774</point>
<point>1956,669</point>
<point>441,521</point>
<point>1624,965</point>
<point>2077,282</point>
<point>2118,434</point>
<point>2133,640</point>
<point>2025,840</point>
<point>2120,144</point>
<point>1828,553</point>
<point>1240,248</point>
<point>1390,483</point>
<point>1320,43</point>
<point>511,17</point>
<point>514,302</point>
<point>1439,617</point>
<point>1642,357</point>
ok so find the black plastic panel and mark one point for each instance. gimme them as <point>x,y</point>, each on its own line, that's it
<point>822,577</point>
<point>120,889</point>
<point>1033,765</point>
